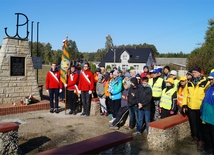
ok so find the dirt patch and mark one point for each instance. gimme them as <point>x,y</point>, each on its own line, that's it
<point>41,130</point>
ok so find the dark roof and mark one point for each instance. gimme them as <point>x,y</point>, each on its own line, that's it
<point>102,64</point>
<point>138,55</point>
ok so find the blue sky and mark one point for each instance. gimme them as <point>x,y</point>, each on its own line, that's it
<point>170,25</point>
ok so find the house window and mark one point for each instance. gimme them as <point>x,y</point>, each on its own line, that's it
<point>136,67</point>
<point>124,57</point>
<point>124,67</point>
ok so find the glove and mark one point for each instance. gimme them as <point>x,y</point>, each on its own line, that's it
<point>65,85</point>
<point>79,92</point>
<point>60,90</point>
<point>47,91</point>
<point>90,92</point>
<point>171,112</point>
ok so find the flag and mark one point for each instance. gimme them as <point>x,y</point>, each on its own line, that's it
<point>65,63</point>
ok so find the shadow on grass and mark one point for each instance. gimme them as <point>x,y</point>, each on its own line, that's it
<point>34,143</point>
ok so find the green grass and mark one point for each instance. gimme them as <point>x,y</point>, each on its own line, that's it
<point>42,74</point>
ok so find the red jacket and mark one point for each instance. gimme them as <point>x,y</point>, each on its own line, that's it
<point>84,85</point>
<point>53,80</point>
<point>73,79</point>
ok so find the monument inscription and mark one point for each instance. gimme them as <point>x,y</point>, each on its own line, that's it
<point>17,66</point>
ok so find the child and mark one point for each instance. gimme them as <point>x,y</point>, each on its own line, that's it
<point>124,107</point>
<point>144,105</point>
<point>101,94</point>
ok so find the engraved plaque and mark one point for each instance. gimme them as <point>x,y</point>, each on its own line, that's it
<point>17,66</point>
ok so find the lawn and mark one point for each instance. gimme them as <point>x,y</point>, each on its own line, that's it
<point>42,74</point>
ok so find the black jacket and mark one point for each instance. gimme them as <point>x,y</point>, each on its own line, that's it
<point>145,97</point>
<point>133,90</point>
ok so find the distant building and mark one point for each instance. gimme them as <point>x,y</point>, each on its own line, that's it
<point>124,58</point>
<point>179,63</point>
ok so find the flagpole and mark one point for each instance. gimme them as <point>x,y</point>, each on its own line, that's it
<point>66,83</point>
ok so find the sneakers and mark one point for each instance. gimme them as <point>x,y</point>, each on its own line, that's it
<point>112,120</point>
<point>193,141</point>
<point>71,112</point>
<point>106,114</point>
<point>200,146</point>
<point>56,111</point>
<point>51,110</point>
<point>83,114</point>
<point>101,114</point>
<point>136,133</point>
<point>114,128</point>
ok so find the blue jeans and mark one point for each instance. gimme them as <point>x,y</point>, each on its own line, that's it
<point>54,93</point>
<point>132,116</point>
<point>141,115</point>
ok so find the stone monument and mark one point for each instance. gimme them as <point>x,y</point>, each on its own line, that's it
<point>17,74</point>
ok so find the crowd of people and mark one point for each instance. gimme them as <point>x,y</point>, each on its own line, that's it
<point>144,97</point>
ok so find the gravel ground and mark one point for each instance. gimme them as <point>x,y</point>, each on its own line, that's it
<point>41,130</point>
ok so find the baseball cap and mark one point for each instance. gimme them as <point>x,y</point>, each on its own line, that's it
<point>211,76</point>
<point>170,80</point>
<point>183,78</point>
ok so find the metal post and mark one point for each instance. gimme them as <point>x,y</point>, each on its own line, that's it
<point>31,47</point>
<point>114,56</point>
<point>37,49</point>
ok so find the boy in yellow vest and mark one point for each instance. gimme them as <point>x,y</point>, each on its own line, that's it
<point>168,101</point>
<point>182,89</point>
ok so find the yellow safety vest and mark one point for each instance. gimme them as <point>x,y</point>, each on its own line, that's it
<point>176,81</point>
<point>157,87</point>
<point>166,99</point>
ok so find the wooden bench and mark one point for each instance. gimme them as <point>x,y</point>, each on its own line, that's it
<point>164,133</point>
<point>93,145</point>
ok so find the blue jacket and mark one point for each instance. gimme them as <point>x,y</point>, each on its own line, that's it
<point>115,89</point>
<point>207,107</point>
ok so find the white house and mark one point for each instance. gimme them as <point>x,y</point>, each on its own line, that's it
<point>124,58</point>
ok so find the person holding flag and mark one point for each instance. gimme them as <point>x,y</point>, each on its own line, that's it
<point>72,89</point>
<point>65,64</point>
<point>86,86</point>
<point>53,87</point>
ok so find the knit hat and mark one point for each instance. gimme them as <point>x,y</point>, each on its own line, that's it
<point>146,67</point>
<point>107,76</point>
<point>197,69</point>
<point>127,74</point>
<point>170,80</point>
<point>116,73</point>
<point>189,73</point>
<point>138,76</point>
<point>98,70</point>
<point>167,67</point>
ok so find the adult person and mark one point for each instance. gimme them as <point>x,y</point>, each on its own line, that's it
<point>173,75</point>
<point>53,87</point>
<point>100,89</point>
<point>207,115</point>
<point>189,75</point>
<point>72,89</point>
<point>86,86</point>
<point>144,106</point>
<point>168,101</point>
<point>124,109</point>
<point>182,89</point>
<point>166,71</point>
<point>157,84</point>
<point>115,90</point>
<point>196,89</point>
